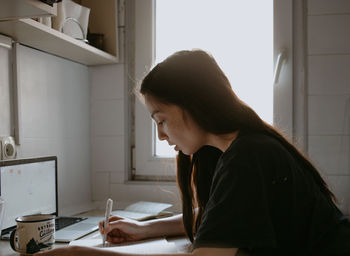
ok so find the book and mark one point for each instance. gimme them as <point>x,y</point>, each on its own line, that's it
<point>143,210</point>
<point>151,246</point>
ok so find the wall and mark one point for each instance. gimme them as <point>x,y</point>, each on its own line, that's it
<point>55,107</point>
<point>109,118</point>
<point>107,128</point>
<point>110,130</point>
<point>328,61</point>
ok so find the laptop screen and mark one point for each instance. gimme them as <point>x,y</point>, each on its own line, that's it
<point>28,186</point>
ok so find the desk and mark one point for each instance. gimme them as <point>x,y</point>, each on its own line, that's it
<point>181,243</point>
<point>6,250</point>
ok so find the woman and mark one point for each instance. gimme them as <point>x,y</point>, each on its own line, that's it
<point>244,187</point>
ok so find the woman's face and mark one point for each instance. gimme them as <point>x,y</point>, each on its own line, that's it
<point>175,126</point>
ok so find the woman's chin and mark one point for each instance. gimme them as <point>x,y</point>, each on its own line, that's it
<point>185,153</point>
<point>188,152</point>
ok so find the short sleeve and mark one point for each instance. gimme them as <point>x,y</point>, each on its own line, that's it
<point>237,214</point>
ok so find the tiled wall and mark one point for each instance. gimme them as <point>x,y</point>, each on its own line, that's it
<point>54,119</point>
<point>107,128</point>
<point>108,145</point>
<point>328,47</point>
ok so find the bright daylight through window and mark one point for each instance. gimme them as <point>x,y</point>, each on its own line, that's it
<point>239,34</point>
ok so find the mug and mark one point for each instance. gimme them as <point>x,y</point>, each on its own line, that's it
<point>34,233</point>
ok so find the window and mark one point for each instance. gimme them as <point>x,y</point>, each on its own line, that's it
<point>241,36</point>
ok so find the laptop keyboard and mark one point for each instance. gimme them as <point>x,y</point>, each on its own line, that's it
<point>62,222</point>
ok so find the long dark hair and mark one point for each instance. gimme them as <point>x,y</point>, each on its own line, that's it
<point>193,81</point>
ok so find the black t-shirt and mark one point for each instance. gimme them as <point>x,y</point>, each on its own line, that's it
<point>263,200</point>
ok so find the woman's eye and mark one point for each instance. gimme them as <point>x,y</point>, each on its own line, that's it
<point>160,122</point>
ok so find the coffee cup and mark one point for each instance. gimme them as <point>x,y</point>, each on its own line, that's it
<point>33,233</point>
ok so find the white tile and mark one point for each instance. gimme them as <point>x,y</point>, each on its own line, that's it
<point>329,74</point>
<point>316,7</point>
<point>329,115</point>
<point>118,177</point>
<point>100,186</point>
<point>329,34</point>
<point>5,117</point>
<point>340,186</point>
<point>107,117</point>
<point>55,95</point>
<point>107,153</point>
<point>34,105</point>
<point>107,82</point>
<point>34,147</point>
<point>74,170</point>
<point>330,154</point>
<point>75,104</point>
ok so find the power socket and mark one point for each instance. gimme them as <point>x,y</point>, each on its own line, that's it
<point>7,148</point>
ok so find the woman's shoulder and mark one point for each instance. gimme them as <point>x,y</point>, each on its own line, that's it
<point>255,141</point>
<point>248,146</point>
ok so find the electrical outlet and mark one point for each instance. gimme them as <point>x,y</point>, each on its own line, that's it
<point>7,148</point>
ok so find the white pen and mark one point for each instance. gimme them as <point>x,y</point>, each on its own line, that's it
<point>107,215</point>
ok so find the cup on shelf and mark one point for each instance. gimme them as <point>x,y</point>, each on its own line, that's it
<point>96,40</point>
<point>46,21</point>
<point>72,19</point>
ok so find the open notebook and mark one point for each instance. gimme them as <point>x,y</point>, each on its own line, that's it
<point>143,210</point>
<point>153,246</point>
<point>22,183</point>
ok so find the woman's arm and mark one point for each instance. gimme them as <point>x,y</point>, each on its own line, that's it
<point>122,230</point>
<point>165,227</point>
<point>83,251</point>
<point>137,231</point>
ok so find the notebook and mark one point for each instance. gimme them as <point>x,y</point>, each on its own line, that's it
<point>22,182</point>
<point>143,210</point>
<point>151,246</point>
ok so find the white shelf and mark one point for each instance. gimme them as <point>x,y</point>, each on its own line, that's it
<point>15,9</point>
<point>34,34</point>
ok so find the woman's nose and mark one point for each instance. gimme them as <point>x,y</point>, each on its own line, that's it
<point>161,135</point>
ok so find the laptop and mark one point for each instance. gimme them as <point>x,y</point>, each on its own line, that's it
<point>29,186</point>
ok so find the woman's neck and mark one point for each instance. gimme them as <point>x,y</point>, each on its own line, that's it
<point>222,141</point>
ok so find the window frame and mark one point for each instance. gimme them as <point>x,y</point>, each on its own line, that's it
<point>148,167</point>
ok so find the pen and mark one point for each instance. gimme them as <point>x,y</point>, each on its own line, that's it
<point>107,215</point>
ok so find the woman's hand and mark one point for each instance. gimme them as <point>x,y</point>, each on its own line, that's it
<point>121,230</point>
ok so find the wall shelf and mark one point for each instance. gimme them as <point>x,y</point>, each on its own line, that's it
<point>34,34</point>
<point>15,9</point>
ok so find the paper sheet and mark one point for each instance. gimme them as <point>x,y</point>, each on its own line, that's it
<point>145,247</point>
<point>143,210</point>
<point>147,207</point>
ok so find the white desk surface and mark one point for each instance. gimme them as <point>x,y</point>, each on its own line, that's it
<point>181,243</point>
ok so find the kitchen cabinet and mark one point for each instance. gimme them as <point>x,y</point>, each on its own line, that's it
<point>103,19</point>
